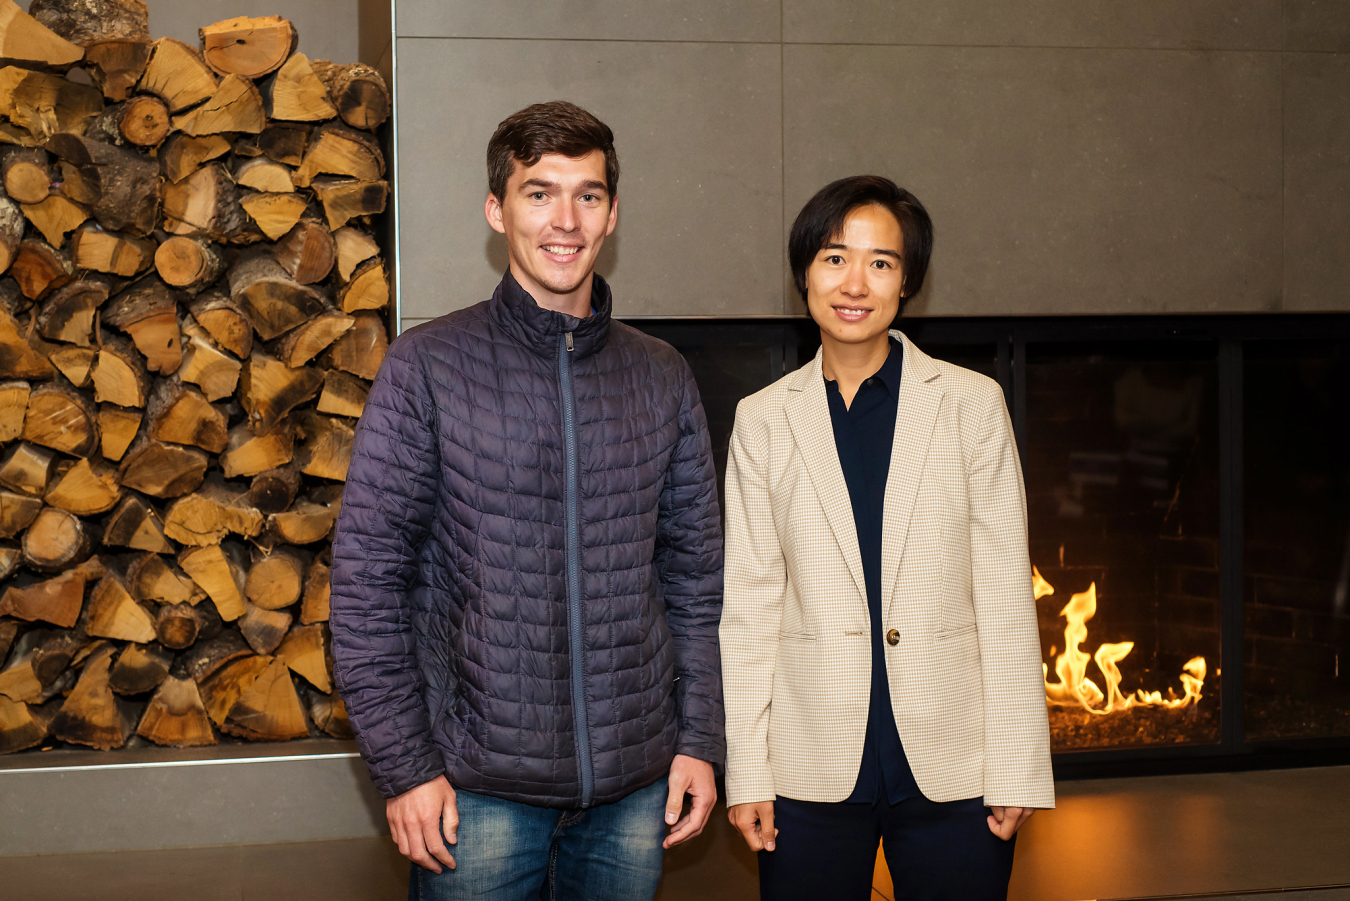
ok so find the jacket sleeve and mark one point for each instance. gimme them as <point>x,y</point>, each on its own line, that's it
<point>688,561</point>
<point>756,581</point>
<point>1017,770</point>
<point>387,509</point>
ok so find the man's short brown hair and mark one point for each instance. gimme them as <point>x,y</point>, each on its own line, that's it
<point>553,127</point>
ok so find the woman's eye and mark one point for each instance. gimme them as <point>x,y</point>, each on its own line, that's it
<point>881,264</point>
<point>835,259</point>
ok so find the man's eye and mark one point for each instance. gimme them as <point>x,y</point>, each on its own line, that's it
<point>537,195</point>
<point>589,198</point>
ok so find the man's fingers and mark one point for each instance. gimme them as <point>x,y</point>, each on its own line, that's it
<point>417,849</point>
<point>450,820</point>
<point>431,837</point>
<point>684,830</point>
<point>675,798</point>
<point>766,825</point>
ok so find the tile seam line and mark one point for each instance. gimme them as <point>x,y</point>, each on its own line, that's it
<point>163,764</point>
<point>855,44</point>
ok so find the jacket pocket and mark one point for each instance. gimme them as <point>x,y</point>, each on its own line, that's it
<point>796,636</point>
<point>949,634</point>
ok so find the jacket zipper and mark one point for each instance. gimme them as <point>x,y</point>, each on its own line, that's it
<point>576,636</point>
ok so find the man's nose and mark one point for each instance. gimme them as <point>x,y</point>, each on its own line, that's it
<point>565,217</point>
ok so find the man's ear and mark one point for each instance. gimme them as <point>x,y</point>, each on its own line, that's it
<point>613,217</point>
<point>492,209</point>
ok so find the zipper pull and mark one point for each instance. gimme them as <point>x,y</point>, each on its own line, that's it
<point>569,342</point>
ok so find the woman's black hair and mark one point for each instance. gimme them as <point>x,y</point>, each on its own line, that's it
<point>822,220</point>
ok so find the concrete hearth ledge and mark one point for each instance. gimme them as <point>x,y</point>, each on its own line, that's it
<point>148,798</point>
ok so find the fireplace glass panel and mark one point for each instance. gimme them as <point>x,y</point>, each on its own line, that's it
<point>1122,467</point>
<point>1296,430</point>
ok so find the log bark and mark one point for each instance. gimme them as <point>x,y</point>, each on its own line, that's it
<point>206,516</point>
<point>337,150</point>
<point>177,74</point>
<point>151,578</point>
<point>361,349</point>
<point>274,214</point>
<point>307,252</point>
<point>88,488</point>
<point>208,656</point>
<point>314,604</point>
<point>249,454</point>
<point>142,121</point>
<point>204,204</point>
<point>119,428</point>
<point>27,469</point>
<point>39,268</point>
<point>13,405</point>
<point>11,231</point>
<point>119,374</point>
<point>307,340</point>
<point>273,490</point>
<point>135,524</point>
<point>182,415</point>
<point>206,365</point>
<point>358,91</point>
<point>115,253</point>
<point>264,629</point>
<point>234,106</point>
<point>367,290</point>
<point>222,689</point>
<point>276,579</point>
<point>55,217</point>
<point>121,186</point>
<point>93,715</point>
<point>178,626</point>
<point>327,449</point>
<point>61,418</point>
<point>54,654</point>
<point>114,613</point>
<point>354,247</point>
<point>181,155</point>
<point>269,389</point>
<point>56,541</point>
<point>261,174</point>
<point>26,42</point>
<point>27,174</point>
<point>86,22</point>
<point>139,668</point>
<point>269,709</point>
<point>305,651</point>
<point>163,470</point>
<point>297,93</point>
<point>148,312</point>
<point>220,571</point>
<point>176,716</point>
<point>226,321</point>
<point>345,199</point>
<point>190,264</point>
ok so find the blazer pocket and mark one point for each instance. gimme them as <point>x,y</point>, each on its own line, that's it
<point>954,633</point>
<point>796,636</point>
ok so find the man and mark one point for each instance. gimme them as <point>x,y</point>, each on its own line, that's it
<point>879,644</point>
<point>526,576</point>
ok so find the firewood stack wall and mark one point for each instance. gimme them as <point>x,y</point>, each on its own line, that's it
<point>192,306</point>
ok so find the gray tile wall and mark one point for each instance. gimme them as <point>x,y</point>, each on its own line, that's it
<point>1078,156</point>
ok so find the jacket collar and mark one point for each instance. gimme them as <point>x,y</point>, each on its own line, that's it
<point>917,406</point>
<point>540,330</point>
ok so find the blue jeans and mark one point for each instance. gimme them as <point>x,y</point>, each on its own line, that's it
<point>509,851</point>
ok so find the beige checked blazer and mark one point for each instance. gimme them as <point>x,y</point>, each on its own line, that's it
<point>965,676</point>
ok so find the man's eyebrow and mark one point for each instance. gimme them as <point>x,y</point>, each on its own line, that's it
<point>877,250</point>
<point>594,185</point>
<point>537,183</point>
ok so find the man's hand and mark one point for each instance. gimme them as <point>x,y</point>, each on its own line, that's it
<point>415,819</point>
<point>755,822</point>
<point>1005,821</point>
<point>689,775</point>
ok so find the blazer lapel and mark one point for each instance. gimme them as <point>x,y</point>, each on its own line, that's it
<point>808,414</point>
<point>916,414</point>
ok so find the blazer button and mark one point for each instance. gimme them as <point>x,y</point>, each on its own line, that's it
<point>893,637</point>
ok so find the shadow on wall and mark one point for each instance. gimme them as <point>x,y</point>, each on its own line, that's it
<point>494,248</point>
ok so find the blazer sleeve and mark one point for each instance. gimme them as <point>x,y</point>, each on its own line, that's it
<point>387,509</point>
<point>688,560</point>
<point>1017,769</point>
<point>756,581</point>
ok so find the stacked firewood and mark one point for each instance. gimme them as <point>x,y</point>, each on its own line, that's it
<point>192,307</point>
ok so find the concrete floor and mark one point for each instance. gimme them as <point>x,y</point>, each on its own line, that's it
<point>1160,837</point>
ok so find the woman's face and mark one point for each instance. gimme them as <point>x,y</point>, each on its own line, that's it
<point>853,285</point>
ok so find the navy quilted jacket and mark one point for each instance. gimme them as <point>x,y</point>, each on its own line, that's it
<point>527,569</point>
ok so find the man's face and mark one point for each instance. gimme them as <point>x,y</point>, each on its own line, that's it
<point>556,215</point>
<point>853,284</point>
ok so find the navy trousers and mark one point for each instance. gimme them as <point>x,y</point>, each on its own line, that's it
<point>935,852</point>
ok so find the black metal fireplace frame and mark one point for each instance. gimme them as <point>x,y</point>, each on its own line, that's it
<point>791,342</point>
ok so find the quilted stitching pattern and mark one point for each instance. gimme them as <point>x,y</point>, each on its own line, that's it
<point>965,677</point>
<point>449,606</point>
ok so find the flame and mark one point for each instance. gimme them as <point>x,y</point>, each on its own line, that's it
<point>1075,689</point>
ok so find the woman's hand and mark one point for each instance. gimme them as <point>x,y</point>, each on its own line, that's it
<point>755,822</point>
<point>1005,821</point>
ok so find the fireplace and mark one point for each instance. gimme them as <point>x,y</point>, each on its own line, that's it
<point>1188,494</point>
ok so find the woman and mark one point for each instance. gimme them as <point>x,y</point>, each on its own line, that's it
<point>880,658</point>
